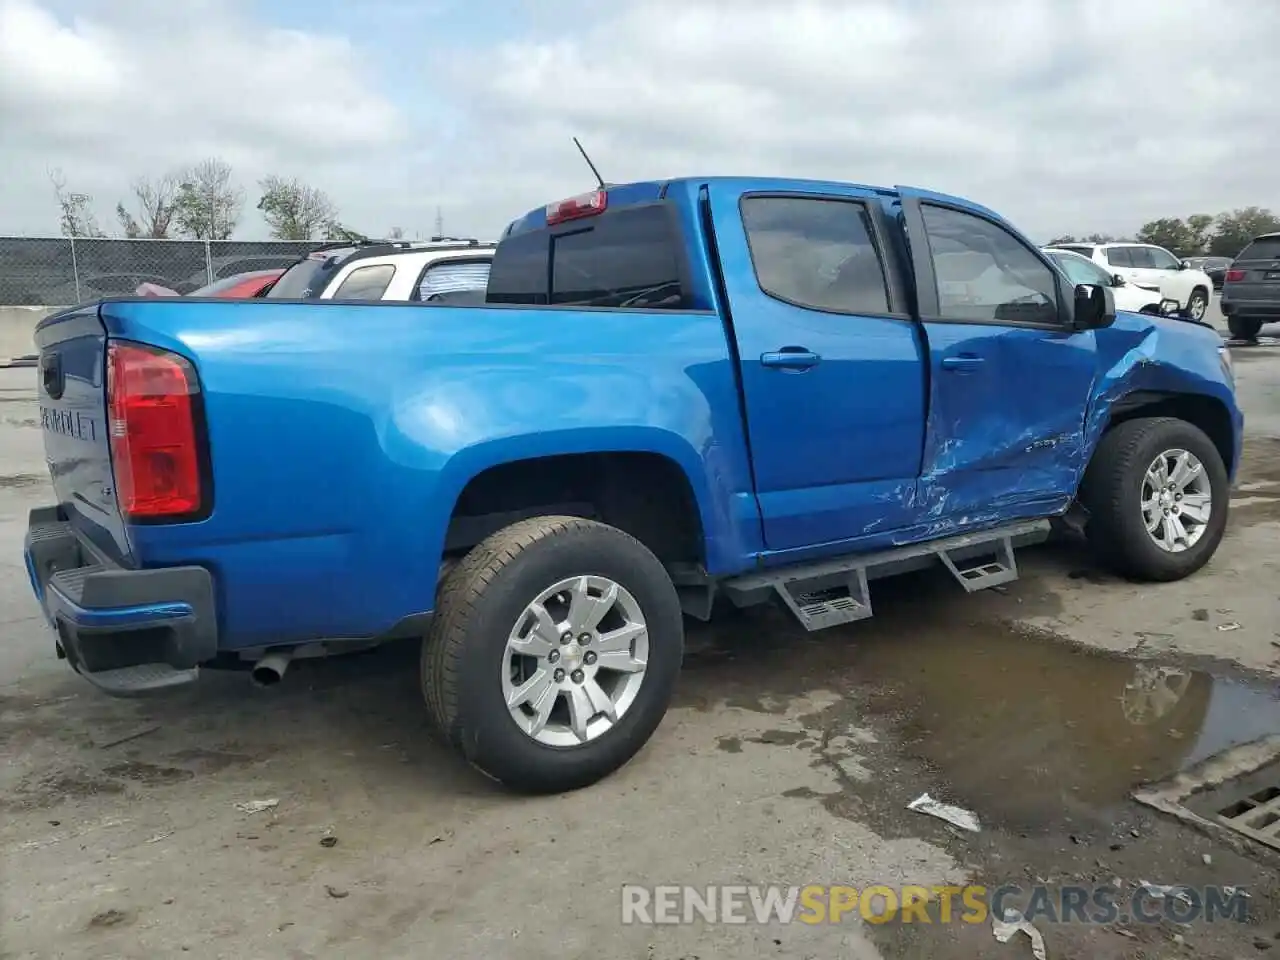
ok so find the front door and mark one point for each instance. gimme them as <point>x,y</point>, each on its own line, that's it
<point>1010,380</point>
<point>832,366</point>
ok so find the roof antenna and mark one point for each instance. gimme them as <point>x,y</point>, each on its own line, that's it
<point>599,179</point>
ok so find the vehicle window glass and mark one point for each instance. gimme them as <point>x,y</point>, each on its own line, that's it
<point>1141,258</point>
<point>450,277</point>
<point>1161,259</point>
<point>816,253</point>
<point>1119,257</point>
<point>985,273</point>
<point>1081,249</point>
<point>307,278</point>
<point>365,283</point>
<point>519,270</point>
<point>1268,248</point>
<point>628,258</point>
<point>1079,270</point>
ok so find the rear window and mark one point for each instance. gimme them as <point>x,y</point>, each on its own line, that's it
<point>1081,248</point>
<point>307,278</point>
<point>627,258</point>
<point>1267,248</point>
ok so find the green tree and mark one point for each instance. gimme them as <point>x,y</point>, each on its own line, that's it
<point>1234,230</point>
<point>339,232</point>
<point>1172,233</point>
<point>295,211</point>
<point>207,206</point>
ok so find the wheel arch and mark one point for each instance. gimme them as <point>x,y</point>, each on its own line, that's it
<point>1201,410</point>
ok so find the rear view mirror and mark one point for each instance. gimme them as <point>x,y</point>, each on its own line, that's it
<point>1094,307</point>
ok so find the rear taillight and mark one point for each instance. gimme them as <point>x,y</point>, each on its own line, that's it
<point>1235,274</point>
<point>156,452</point>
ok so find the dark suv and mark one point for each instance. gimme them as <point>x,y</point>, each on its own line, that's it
<point>1251,291</point>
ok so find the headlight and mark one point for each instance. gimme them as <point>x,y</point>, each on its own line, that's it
<point>1228,366</point>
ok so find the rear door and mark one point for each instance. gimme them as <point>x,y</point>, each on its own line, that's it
<point>1255,274</point>
<point>830,358</point>
<point>1009,379</point>
<point>1120,260</point>
<point>71,390</point>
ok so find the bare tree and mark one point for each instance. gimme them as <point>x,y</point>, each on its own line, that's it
<point>75,209</point>
<point>295,211</point>
<point>156,205</point>
<point>207,204</point>
<point>395,233</point>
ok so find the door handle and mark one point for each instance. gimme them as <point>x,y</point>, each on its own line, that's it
<point>962,363</point>
<point>796,358</point>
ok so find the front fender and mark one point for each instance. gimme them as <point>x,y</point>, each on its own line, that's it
<point>1159,356</point>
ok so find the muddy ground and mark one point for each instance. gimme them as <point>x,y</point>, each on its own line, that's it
<point>789,758</point>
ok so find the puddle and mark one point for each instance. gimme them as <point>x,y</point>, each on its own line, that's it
<point>1028,730</point>
<point>1018,726</point>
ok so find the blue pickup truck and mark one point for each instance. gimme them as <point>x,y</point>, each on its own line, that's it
<point>675,394</point>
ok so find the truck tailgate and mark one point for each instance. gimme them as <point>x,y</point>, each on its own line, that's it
<point>71,388</point>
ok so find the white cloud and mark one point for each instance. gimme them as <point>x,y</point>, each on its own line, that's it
<point>1065,115</point>
<point>154,85</point>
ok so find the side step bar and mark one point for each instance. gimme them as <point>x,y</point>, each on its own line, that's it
<point>828,593</point>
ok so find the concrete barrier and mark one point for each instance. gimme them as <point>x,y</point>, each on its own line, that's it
<point>17,325</point>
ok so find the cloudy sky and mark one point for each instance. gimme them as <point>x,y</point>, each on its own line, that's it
<point>1065,115</point>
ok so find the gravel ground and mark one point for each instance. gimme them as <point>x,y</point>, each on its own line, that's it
<point>788,758</point>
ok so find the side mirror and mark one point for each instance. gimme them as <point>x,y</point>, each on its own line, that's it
<point>1184,265</point>
<point>1095,307</point>
<point>1117,280</point>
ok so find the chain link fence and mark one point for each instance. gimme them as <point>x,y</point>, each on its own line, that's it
<point>60,272</point>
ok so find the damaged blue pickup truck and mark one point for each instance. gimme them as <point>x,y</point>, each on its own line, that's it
<point>675,392</point>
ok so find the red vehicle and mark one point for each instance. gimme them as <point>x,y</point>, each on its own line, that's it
<point>240,286</point>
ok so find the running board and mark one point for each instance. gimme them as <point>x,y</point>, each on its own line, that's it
<point>828,593</point>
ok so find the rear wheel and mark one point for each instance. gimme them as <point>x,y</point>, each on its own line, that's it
<point>1157,494</point>
<point>554,653</point>
<point>1198,303</point>
<point>1244,328</point>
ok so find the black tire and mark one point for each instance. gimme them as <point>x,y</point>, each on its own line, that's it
<point>1112,491</point>
<point>1198,296</point>
<point>1244,328</point>
<point>482,598</point>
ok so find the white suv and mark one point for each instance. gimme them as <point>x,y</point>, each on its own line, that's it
<point>410,270</point>
<point>1152,268</point>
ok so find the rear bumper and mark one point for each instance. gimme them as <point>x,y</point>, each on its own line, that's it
<point>128,632</point>
<point>1264,309</point>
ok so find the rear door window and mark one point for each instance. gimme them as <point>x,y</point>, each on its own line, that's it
<point>1119,257</point>
<point>366,283</point>
<point>816,253</point>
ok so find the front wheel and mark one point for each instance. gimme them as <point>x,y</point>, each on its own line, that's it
<point>553,654</point>
<point>1157,495</point>
<point>1198,303</point>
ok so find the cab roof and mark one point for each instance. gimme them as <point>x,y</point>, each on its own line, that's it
<point>648,191</point>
